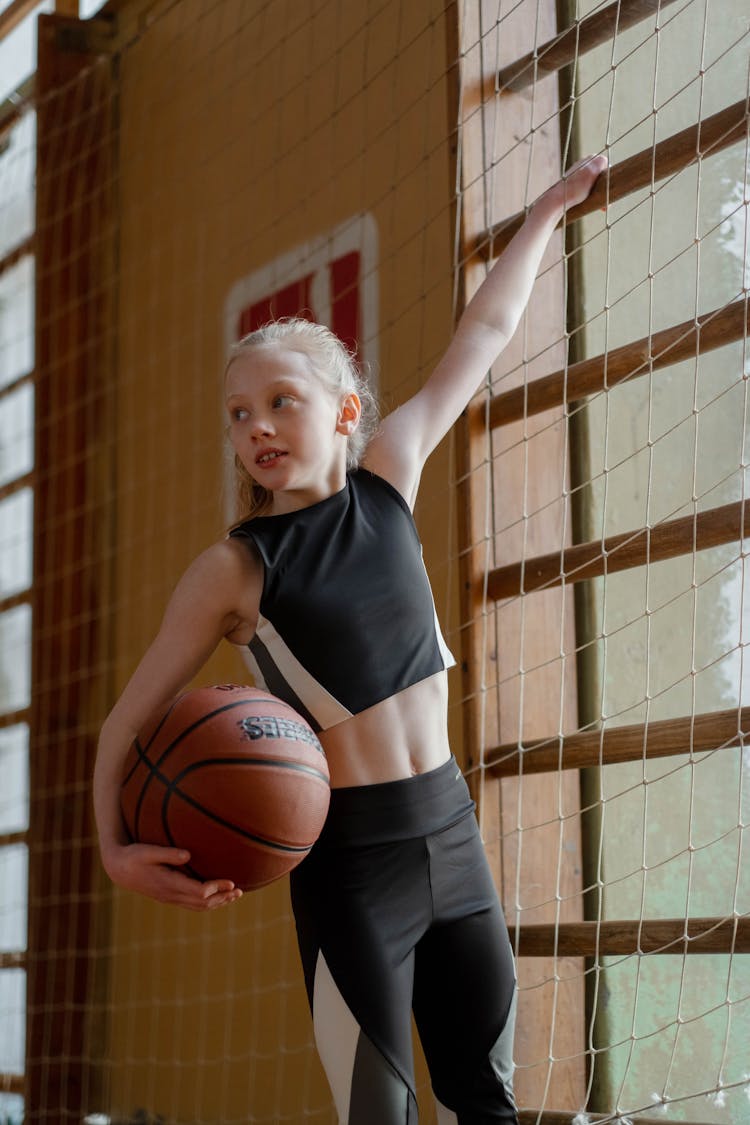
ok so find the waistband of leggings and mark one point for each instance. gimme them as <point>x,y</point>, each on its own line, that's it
<point>398,810</point>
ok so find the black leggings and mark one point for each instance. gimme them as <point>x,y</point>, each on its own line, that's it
<point>396,911</point>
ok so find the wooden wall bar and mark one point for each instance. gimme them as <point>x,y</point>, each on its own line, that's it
<point>633,743</point>
<point>707,137</point>
<point>629,549</point>
<point>564,1117</point>
<point>626,937</point>
<point>582,36</point>
<point>602,372</point>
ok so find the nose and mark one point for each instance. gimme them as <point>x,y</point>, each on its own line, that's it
<point>261,426</point>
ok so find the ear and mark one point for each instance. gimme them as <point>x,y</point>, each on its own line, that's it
<point>350,411</point>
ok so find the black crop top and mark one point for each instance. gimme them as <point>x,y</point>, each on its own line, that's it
<point>347,618</point>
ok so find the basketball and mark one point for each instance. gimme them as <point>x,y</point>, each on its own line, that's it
<point>234,776</point>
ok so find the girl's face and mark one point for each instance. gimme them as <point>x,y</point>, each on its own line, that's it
<point>288,429</point>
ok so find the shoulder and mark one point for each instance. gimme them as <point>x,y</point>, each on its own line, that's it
<point>234,555</point>
<point>220,575</point>
<point>218,592</point>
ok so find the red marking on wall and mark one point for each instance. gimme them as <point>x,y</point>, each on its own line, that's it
<point>295,299</point>
<point>344,281</point>
<point>292,300</point>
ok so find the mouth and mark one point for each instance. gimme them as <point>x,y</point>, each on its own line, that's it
<point>269,457</point>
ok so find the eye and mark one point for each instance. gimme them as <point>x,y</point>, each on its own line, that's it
<point>239,414</point>
<point>282,400</point>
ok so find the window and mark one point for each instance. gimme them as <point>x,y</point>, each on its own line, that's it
<point>16,514</point>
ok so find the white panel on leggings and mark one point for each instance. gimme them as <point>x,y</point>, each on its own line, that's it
<point>336,1036</point>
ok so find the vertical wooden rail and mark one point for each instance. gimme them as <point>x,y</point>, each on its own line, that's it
<point>73,279</point>
<point>532,865</point>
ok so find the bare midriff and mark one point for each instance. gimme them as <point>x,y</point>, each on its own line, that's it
<point>398,738</point>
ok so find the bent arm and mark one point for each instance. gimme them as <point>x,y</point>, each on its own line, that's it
<point>410,433</point>
<point>202,610</point>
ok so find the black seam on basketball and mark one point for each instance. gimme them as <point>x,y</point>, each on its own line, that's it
<point>154,771</point>
<point>206,718</point>
<point>168,834</point>
<point>289,849</point>
<point>142,758</point>
<point>270,762</point>
<point>153,766</point>
<point>171,787</point>
<point>139,751</point>
<point>186,867</point>
<point>163,720</point>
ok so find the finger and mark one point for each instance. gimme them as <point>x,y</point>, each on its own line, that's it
<point>592,163</point>
<point>223,900</point>
<point>211,903</point>
<point>170,856</point>
<point>175,887</point>
<point>593,159</point>
<point>216,886</point>
<point>599,163</point>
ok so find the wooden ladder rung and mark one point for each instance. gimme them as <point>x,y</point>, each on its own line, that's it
<point>629,549</point>
<point>12,1084</point>
<point>12,960</point>
<point>576,40</point>
<point>568,1117</point>
<point>636,742</point>
<point>705,138</point>
<point>602,372</point>
<point>625,937</point>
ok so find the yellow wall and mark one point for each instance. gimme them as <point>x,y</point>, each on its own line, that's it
<point>248,129</point>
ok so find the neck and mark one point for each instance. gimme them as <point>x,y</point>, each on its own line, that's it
<point>293,500</point>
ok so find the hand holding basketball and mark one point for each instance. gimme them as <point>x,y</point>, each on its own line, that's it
<point>232,776</point>
<point>154,871</point>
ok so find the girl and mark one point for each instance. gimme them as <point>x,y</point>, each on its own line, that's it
<point>394,907</point>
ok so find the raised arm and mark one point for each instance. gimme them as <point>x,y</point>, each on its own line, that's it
<point>410,433</point>
<point>213,597</point>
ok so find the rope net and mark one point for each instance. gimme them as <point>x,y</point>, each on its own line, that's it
<point>182,171</point>
<point>660,837</point>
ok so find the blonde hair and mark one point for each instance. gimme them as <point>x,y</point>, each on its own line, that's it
<point>337,369</point>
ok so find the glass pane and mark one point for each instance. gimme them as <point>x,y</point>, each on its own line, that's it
<point>15,542</point>
<point>87,8</point>
<point>11,1106</point>
<point>17,321</point>
<point>16,433</point>
<point>15,659</point>
<point>14,770</point>
<point>13,1023</point>
<point>18,51</point>
<point>17,163</point>
<point>14,880</point>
